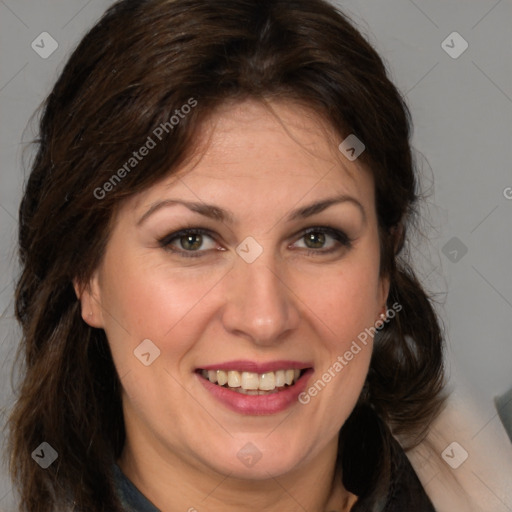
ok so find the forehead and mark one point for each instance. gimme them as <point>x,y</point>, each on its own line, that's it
<point>274,153</point>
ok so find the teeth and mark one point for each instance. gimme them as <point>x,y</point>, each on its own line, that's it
<point>234,380</point>
<point>254,391</point>
<point>268,381</point>
<point>222,377</point>
<point>251,383</point>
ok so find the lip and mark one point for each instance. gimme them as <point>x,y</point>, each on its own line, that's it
<point>257,405</point>
<point>252,366</point>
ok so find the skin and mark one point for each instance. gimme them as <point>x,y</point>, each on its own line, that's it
<point>182,444</point>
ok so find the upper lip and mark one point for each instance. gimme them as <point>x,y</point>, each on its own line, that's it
<point>257,367</point>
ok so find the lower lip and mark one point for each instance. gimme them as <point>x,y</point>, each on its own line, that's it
<point>257,404</point>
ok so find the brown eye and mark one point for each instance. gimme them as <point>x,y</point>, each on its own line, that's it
<point>314,240</point>
<point>323,240</point>
<point>189,242</point>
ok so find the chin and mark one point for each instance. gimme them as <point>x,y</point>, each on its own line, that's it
<point>256,460</point>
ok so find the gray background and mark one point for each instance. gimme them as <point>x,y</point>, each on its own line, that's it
<point>462,114</point>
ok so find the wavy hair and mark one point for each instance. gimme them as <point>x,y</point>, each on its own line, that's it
<point>140,62</point>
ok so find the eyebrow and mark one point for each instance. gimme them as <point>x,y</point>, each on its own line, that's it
<point>217,213</point>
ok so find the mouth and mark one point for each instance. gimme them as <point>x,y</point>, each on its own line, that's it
<point>251,388</point>
<point>253,383</point>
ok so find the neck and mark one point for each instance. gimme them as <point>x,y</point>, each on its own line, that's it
<point>172,483</point>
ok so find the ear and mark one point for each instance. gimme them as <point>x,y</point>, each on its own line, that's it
<point>383,292</point>
<point>90,301</point>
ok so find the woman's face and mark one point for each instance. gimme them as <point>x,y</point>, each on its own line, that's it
<point>281,273</point>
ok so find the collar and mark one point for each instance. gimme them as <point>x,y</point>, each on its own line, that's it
<point>131,498</point>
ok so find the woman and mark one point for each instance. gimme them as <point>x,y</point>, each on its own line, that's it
<point>216,310</point>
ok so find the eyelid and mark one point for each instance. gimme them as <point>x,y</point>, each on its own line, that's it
<point>166,240</point>
<point>323,228</point>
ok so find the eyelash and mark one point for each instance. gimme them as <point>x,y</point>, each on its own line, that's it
<point>338,235</point>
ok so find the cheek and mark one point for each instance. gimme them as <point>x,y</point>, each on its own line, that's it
<point>144,301</point>
<point>346,301</point>
<point>344,315</point>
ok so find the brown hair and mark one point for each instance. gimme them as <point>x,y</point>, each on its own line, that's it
<point>143,60</point>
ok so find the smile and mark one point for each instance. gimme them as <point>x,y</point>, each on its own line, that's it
<point>251,388</point>
<point>252,383</point>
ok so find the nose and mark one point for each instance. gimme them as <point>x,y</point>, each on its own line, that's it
<point>259,304</point>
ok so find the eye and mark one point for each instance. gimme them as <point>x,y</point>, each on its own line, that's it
<point>324,239</point>
<point>189,241</point>
<point>195,242</point>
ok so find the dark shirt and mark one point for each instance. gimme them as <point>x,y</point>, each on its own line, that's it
<point>131,498</point>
